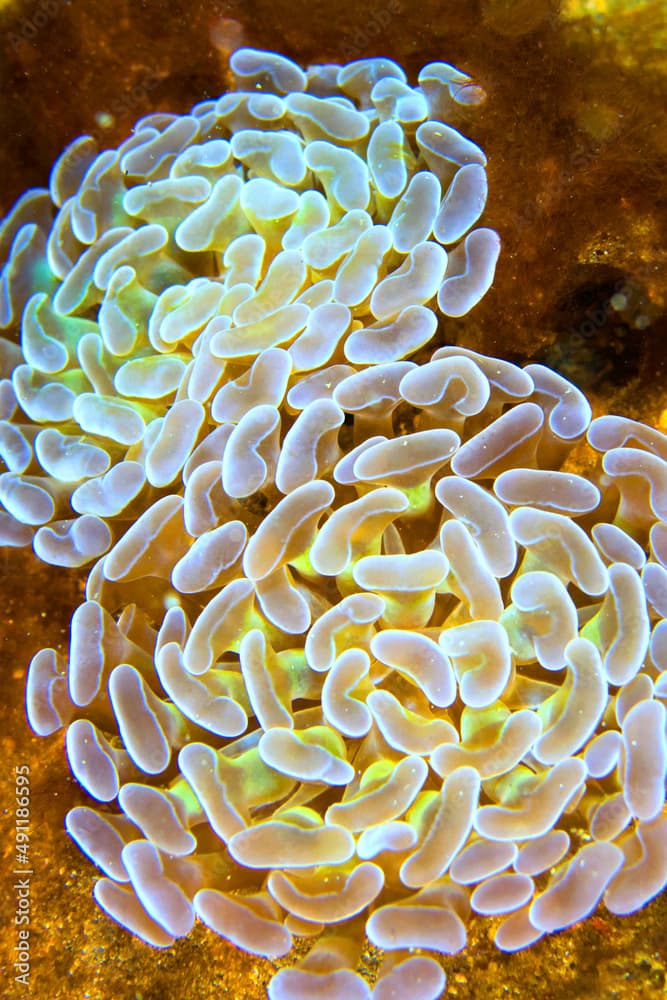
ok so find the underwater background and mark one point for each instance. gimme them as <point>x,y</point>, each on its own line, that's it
<point>574,130</point>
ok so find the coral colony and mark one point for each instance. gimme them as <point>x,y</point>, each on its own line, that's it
<point>361,655</point>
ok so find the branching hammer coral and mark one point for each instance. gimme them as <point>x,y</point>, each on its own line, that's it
<point>361,651</point>
<point>296,216</point>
